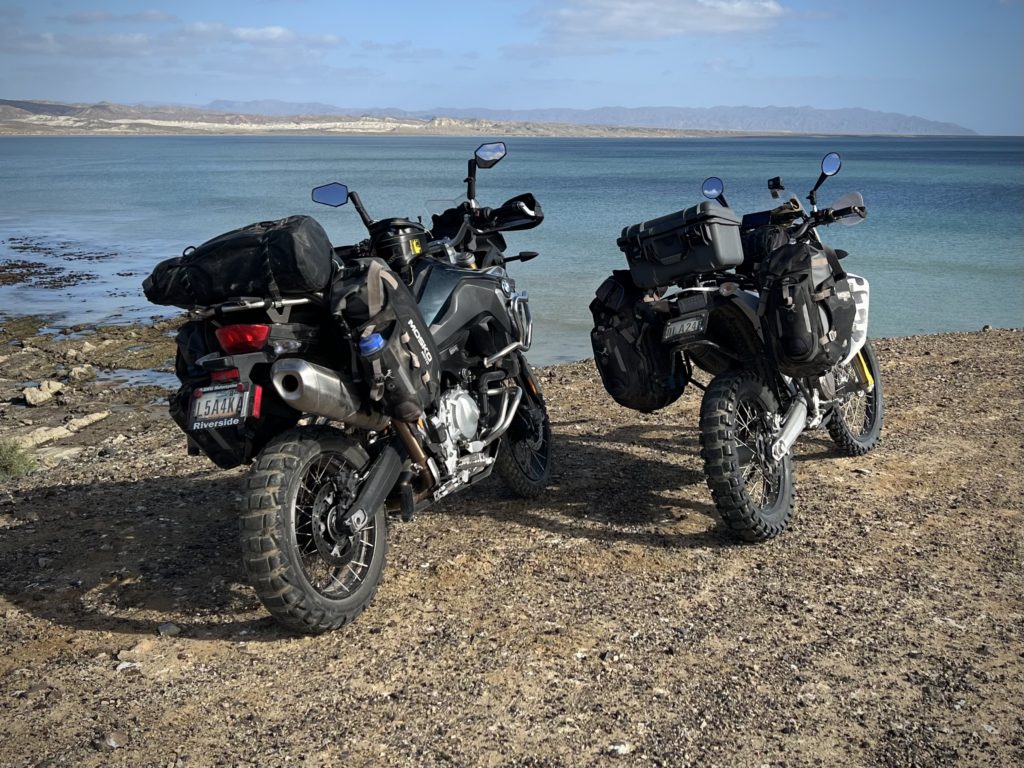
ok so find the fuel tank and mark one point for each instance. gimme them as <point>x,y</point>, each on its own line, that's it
<point>466,309</point>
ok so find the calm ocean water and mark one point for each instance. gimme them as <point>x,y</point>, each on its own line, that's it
<point>943,246</point>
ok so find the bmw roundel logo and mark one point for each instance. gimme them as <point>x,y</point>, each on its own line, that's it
<point>506,287</point>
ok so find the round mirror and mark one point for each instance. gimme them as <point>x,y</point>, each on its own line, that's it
<point>712,188</point>
<point>333,194</point>
<point>487,155</point>
<point>831,163</point>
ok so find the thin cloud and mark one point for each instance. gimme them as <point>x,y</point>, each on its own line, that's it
<point>190,39</point>
<point>589,20</point>
<point>404,49</point>
<point>105,17</point>
<point>272,36</point>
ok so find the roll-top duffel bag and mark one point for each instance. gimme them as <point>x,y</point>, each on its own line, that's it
<point>271,259</point>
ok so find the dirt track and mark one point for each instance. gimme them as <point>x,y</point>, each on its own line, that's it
<point>608,623</point>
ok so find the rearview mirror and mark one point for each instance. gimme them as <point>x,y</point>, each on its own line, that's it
<point>831,163</point>
<point>713,188</point>
<point>333,194</point>
<point>488,155</point>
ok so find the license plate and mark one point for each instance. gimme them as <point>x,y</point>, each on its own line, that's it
<point>223,406</point>
<point>692,325</point>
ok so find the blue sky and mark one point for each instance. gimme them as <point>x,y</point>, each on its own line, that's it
<point>952,61</point>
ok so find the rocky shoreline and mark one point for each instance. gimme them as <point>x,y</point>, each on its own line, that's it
<point>609,622</point>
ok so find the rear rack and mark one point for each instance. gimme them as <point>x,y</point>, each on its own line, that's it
<point>281,307</point>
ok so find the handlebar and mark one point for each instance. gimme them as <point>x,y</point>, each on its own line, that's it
<point>827,216</point>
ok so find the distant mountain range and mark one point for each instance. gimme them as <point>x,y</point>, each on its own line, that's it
<point>739,119</point>
<point>251,117</point>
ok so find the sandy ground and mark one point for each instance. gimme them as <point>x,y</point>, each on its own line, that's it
<point>609,622</point>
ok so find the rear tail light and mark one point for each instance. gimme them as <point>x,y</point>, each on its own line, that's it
<point>238,339</point>
<point>228,374</point>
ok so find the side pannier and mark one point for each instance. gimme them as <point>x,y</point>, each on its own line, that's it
<point>637,370</point>
<point>701,239</point>
<point>807,309</point>
<point>396,351</point>
<point>269,259</point>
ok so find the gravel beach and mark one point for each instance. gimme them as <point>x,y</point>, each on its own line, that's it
<point>610,622</point>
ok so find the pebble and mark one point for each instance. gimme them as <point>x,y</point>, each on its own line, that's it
<point>82,373</point>
<point>36,396</point>
<point>168,629</point>
<point>621,749</point>
<point>111,741</point>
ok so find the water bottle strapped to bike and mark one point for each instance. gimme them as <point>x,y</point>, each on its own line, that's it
<point>358,381</point>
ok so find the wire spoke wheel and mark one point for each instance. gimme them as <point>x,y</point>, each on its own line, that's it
<point>311,571</point>
<point>335,562</point>
<point>855,421</point>
<point>753,437</point>
<point>524,452</point>
<point>752,491</point>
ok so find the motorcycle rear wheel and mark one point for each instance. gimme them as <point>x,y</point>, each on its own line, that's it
<point>524,452</point>
<point>310,574</point>
<point>752,491</point>
<point>855,425</point>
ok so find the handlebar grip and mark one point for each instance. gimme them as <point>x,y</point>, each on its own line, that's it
<point>515,209</point>
<point>842,213</point>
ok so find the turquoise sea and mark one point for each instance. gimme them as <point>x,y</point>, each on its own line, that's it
<point>943,245</point>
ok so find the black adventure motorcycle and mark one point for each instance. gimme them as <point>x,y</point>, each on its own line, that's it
<point>763,306</point>
<point>358,381</point>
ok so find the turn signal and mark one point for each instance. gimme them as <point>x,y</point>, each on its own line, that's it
<point>238,339</point>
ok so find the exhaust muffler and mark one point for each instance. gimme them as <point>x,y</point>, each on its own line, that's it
<point>313,389</point>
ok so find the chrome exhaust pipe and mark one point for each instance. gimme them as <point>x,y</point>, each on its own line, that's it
<point>319,391</point>
<point>796,420</point>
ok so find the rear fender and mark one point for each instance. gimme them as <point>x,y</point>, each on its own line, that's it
<point>732,334</point>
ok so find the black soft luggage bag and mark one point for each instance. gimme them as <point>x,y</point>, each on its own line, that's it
<point>272,259</point>
<point>397,354</point>
<point>636,368</point>
<point>807,309</point>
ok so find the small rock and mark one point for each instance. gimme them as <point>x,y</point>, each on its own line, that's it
<point>111,741</point>
<point>82,373</point>
<point>34,396</point>
<point>621,749</point>
<point>168,629</point>
<point>862,472</point>
<point>986,327</point>
<point>88,347</point>
<point>127,666</point>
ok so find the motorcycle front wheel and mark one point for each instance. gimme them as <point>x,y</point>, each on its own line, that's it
<point>752,491</point>
<point>524,452</point>
<point>855,422</point>
<point>309,571</point>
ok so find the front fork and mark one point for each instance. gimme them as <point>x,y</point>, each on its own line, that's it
<point>863,372</point>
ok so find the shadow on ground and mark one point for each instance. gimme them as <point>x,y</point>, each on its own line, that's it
<point>128,556</point>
